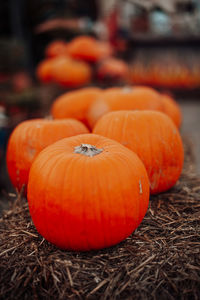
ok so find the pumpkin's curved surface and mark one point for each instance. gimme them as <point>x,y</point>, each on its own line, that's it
<point>153,137</point>
<point>81,201</point>
<point>29,138</point>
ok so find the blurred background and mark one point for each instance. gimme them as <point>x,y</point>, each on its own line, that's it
<point>158,40</point>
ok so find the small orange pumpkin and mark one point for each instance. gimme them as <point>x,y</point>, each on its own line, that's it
<point>44,70</point>
<point>75,104</point>
<point>65,71</point>
<point>87,192</point>
<point>71,73</point>
<point>88,48</point>
<point>29,138</point>
<point>128,98</point>
<point>47,67</point>
<point>56,48</point>
<point>153,137</point>
<point>172,109</point>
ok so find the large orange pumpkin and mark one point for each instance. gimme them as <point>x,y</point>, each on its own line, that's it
<point>29,138</point>
<point>153,137</point>
<point>75,104</point>
<point>127,98</point>
<point>88,48</point>
<point>87,192</point>
<point>172,109</point>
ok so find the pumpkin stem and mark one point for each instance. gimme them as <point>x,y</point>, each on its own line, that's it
<point>87,150</point>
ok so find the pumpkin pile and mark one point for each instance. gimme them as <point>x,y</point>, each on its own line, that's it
<point>88,49</point>
<point>74,63</point>
<point>169,74</point>
<point>91,190</point>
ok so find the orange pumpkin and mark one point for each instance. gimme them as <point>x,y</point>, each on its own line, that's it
<point>56,48</point>
<point>127,98</point>
<point>87,192</point>
<point>71,73</point>
<point>88,48</point>
<point>113,69</point>
<point>29,138</point>
<point>65,71</point>
<point>172,109</point>
<point>153,137</point>
<point>44,71</point>
<point>75,104</point>
<point>46,68</point>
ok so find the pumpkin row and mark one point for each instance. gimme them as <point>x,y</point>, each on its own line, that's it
<point>89,104</point>
<point>91,190</point>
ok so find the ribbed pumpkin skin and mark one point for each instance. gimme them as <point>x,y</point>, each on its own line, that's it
<point>172,109</point>
<point>82,203</point>
<point>29,138</point>
<point>153,137</point>
<point>75,104</point>
<point>137,98</point>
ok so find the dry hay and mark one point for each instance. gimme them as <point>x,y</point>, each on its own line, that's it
<point>161,259</point>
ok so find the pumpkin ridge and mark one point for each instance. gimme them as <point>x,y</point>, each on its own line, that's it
<point>18,152</point>
<point>101,229</point>
<point>109,204</point>
<point>70,169</point>
<point>73,172</point>
<point>44,202</point>
<point>124,129</point>
<point>150,157</point>
<point>162,172</point>
<point>61,200</point>
<point>83,211</point>
<point>121,190</point>
<point>159,158</point>
<point>125,207</point>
